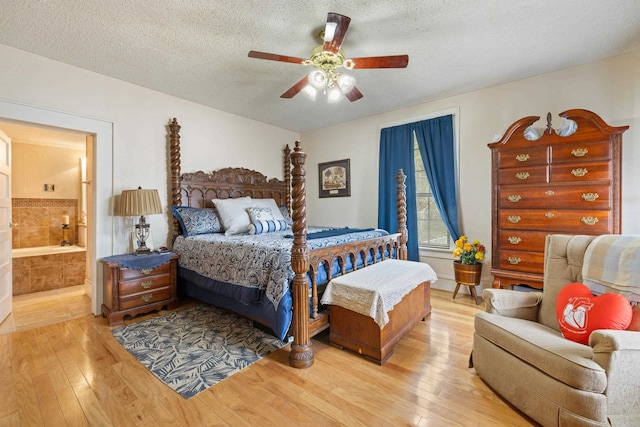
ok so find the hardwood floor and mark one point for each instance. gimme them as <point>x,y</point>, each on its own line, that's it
<point>75,373</point>
<point>45,308</point>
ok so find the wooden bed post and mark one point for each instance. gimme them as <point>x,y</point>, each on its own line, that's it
<point>401,202</point>
<point>176,192</point>
<point>287,175</point>
<point>301,355</point>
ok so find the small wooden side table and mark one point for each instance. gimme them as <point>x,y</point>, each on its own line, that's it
<point>132,291</point>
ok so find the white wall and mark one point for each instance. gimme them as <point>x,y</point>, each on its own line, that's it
<point>33,165</point>
<point>609,88</point>
<point>138,141</point>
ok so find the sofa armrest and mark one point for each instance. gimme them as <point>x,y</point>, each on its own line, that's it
<point>508,303</point>
<point>618,352</point>
<point>607,341</point>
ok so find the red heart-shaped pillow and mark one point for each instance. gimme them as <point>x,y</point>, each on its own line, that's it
<point>580,313</point>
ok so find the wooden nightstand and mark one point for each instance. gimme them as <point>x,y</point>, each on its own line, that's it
<point>129,292</point>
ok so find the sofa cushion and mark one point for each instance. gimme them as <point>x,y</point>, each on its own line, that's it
<point>544,348</point>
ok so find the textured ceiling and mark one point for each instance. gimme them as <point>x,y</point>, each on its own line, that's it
<point>33,134</point>
<point>197,49</point>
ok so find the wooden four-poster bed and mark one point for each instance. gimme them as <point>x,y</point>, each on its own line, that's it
<point>310,263</point>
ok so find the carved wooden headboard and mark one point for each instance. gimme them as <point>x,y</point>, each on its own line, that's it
<point>199,188</point>
<point>196,189</point>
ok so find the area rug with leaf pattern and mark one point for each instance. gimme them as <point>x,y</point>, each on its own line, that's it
<point>192,349</point>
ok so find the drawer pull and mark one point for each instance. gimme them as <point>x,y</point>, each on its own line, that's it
<point>514,260</point>
<point>146,270</point>
<point>513,219</point>
<point>522,175</point>
<point>522,157</point>
<point>590,197</point>
<point>579,172</point>
<point>146,297</point>
<point>589,220</point>
<point>514,240</point>
<point>146,284</point>
<point>514,198</point>
<point>549,192</point>
<point>549,215</point>
<point>579,152</point>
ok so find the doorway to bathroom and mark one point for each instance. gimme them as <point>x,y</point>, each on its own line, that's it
<point>51,175</point>
<point>100,230</point>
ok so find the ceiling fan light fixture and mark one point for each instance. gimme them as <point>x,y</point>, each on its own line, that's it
<point>310,92</point>
<point>334,94</point>
<point>318,79</point>
<point>344,82</point>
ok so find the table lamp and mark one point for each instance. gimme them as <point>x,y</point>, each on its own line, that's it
<point>140,202</point>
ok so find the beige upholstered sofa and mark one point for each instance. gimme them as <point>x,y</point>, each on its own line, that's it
<point>519,352</point>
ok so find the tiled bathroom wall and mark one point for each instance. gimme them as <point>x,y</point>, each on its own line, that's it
<point>46,272</point>
<point>38,222</point>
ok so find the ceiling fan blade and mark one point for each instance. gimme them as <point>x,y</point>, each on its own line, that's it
<point>293,91</point>
<point>275,57</point>
<point>335,31</point>
<point>354,94</point>
<point>396,61</point>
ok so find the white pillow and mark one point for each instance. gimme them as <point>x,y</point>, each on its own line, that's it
<point>268,203</point>
<point>233,214</point>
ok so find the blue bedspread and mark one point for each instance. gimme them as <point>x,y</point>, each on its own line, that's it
<point>331,232</point>
<point>259,263</point>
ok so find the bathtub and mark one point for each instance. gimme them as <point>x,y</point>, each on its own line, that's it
<point>45,268</point>
<point>45,250</point>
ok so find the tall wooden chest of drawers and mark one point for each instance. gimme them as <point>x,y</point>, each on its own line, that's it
<point>129,292</point>
<point>551,185</point>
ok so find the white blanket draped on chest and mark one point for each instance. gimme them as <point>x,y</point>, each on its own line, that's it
<point>374,290</point>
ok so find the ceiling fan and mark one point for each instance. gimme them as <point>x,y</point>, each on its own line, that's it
<point>327,59</point>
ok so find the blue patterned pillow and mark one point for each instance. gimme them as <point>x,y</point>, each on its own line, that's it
<point>197,220</point>
<point>267,226</point>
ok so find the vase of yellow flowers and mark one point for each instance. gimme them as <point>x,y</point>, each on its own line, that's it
<point>467,264</point>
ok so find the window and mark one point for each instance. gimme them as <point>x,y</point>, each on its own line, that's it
<point>432,231</point>
<point>437,132</point>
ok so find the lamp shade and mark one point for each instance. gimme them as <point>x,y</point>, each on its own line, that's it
<point>140,202</point>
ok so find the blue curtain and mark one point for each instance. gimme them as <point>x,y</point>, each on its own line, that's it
<point>396,151</point>
<point>435,140</point>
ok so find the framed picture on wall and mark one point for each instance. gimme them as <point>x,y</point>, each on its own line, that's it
<point>334,178</point>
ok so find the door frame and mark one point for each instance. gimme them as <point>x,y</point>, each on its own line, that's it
<point>101,238</point>
<point>6,265</point>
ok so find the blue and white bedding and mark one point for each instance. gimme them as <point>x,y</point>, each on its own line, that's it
<point>260,265</point>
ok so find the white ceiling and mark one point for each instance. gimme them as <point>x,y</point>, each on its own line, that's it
<point>197,49</point>
<point>38,135</point>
